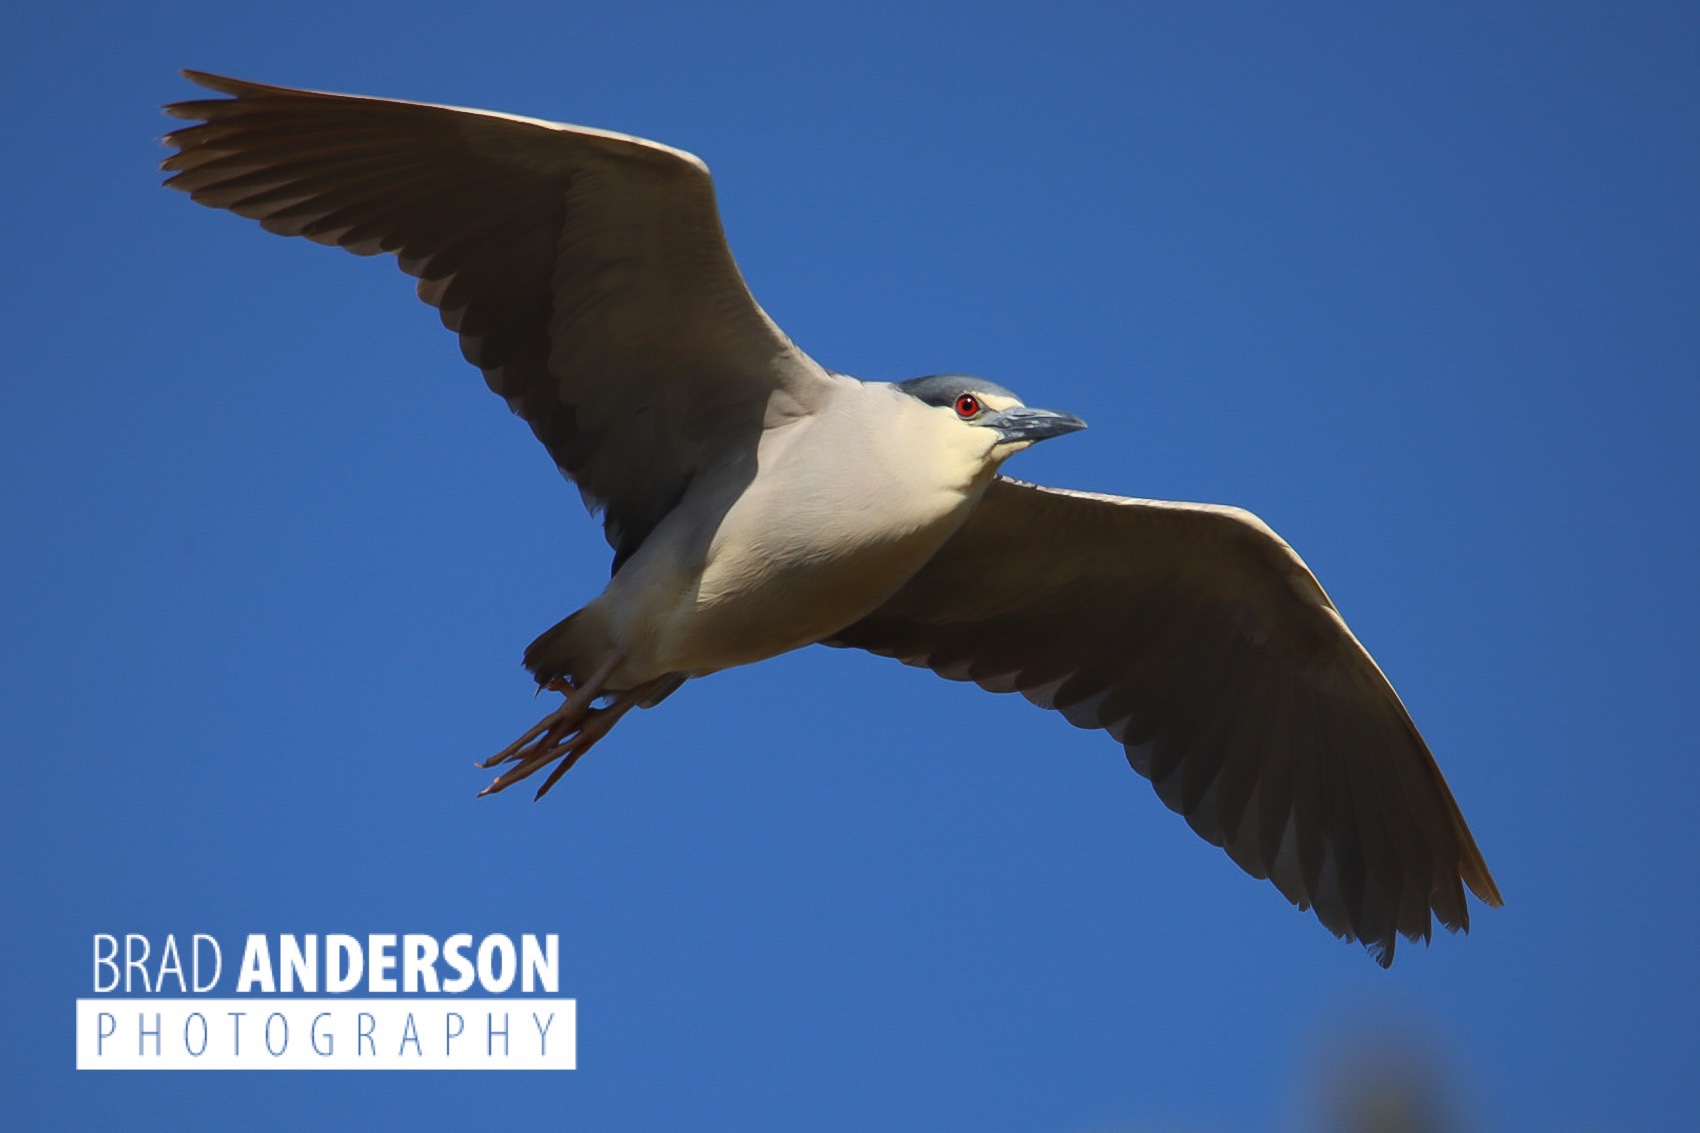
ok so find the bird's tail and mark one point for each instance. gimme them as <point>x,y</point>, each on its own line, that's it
<point>551,657</point>
<point>573,648</point>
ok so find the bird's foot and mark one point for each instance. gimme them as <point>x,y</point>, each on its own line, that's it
<point>562,736</point>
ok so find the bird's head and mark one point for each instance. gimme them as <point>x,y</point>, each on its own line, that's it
<point>997,416</point>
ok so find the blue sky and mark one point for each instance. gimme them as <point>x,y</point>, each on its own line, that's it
<point>1420,288</point>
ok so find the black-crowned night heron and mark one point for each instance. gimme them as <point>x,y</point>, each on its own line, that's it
<point>757,503</point>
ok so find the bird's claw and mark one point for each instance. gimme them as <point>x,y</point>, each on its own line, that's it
<point>564,735</point>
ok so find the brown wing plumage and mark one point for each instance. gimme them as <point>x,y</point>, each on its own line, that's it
<point>1196,637</point>
<point>586,272</point>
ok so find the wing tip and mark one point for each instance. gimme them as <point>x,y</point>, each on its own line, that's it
<point>196,109</point>
<point>1476,876</point>
<point>223,84</point>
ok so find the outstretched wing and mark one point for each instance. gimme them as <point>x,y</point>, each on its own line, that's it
<point>1196,637</point>
<point>586,272</point>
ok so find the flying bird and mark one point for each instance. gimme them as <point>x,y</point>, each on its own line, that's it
<point>757,502</point>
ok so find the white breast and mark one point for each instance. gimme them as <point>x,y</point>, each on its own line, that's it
<point>843,507</point>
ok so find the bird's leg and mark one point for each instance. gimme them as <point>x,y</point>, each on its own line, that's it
<point>559,744</point>
<point>595,726</point>
<point>565,737</point>
<point>562,746</point>
<point>563,720</point>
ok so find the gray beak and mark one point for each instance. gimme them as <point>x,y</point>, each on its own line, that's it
<point>1024,424</point>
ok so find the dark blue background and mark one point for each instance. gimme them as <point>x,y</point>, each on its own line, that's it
<point>1420,288</point>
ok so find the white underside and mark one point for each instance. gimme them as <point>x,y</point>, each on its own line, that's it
<point>843,508</point>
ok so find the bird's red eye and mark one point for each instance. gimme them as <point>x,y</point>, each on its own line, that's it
<point>967,406</point>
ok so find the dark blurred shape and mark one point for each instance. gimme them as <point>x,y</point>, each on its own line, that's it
<point>1386,1085</point>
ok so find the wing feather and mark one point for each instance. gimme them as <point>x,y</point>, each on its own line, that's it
<point>586,272</point>
<point>1199,639</point>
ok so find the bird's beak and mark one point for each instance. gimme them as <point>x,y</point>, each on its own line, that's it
<point>1024,424</point>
